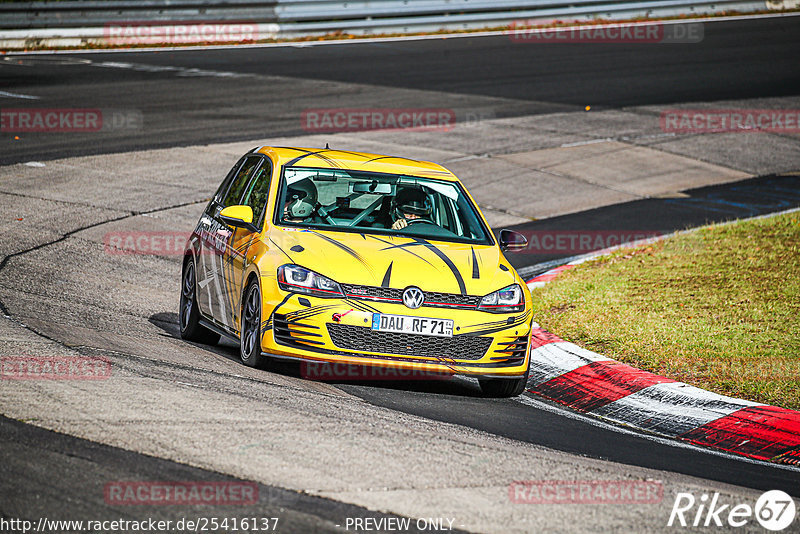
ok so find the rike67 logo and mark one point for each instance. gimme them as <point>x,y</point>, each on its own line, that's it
<point>774,510</point>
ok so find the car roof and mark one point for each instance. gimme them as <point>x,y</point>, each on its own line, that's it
<point>329,158</point>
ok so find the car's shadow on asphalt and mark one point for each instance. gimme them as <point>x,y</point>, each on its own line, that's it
<point>337,375</point>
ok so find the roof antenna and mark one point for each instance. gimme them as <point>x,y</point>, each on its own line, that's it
<point>327,147</point>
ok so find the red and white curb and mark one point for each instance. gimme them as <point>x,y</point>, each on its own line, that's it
<point>598,386</point>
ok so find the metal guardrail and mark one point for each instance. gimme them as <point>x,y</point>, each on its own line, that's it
<point>75,14</point>
<point>77,23</point>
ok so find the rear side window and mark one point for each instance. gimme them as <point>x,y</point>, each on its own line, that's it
<point>223,187</point>
<point>258,192</point>
<point>239,183</point>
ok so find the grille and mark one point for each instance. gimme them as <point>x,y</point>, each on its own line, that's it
<point>433,299</point>
<point>365,339</point>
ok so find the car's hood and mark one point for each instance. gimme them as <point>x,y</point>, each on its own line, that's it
<point>393,261</point>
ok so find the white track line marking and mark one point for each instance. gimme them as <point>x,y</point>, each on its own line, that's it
<point>6,94</point>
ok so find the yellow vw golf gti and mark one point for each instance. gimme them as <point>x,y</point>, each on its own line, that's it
<point>321,255</point>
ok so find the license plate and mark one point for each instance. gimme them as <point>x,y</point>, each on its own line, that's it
<point>425,326</point>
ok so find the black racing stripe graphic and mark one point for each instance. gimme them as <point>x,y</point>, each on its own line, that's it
<point>304,153</point>
<point>322,150</point>
<point>387,276</point>
<point>403,248</point>
<point>391,157</point>
<point>320,155</point>
<point>347,152</point>
<point>281,303</point>
<point>461,285</point>
<point>403,245</point>
<point>231,292</point>
<point>279,248</point>
<point>504,323</point>
<point>344,247</point>
<point>229,271</point>
<point>491,323</point>
<point>270,321</point>
<point>245,246</point>
<point>310,312</point>
<point>361,306</point>
<point>487,331</point>
<point>333,162</point>
<point>476,274</point>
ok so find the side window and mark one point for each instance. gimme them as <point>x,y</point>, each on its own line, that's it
<point>258,192</point>
<point>226,182</point>
<point>240,182</point>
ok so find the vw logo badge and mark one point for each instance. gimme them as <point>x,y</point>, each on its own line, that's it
<point>413,297</point>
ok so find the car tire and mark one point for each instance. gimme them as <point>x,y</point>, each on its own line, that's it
<point>250,337</point>
<point>504,387</point>
<point>188,314</point>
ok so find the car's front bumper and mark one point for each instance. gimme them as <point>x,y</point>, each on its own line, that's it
<point>339,331</point>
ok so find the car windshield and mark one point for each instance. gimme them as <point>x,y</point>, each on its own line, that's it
<point>366,202</point>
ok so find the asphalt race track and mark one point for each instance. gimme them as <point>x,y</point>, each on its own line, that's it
<point>232,91</point>
<point>325,452</point>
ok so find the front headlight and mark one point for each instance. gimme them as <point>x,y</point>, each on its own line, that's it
<point>506,300</point>
<point>301,280</point>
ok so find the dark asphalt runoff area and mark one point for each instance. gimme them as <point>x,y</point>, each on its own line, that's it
<point>234,94</point>
<point>736,60</point>
<point>659,216</point>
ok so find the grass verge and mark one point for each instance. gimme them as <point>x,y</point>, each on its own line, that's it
<point>718,308</point>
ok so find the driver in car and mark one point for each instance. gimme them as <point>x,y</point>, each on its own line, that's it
<point>410,206</point>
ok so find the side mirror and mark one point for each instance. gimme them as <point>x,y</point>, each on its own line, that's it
<point>511,241</point>
<point>239,217</point>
